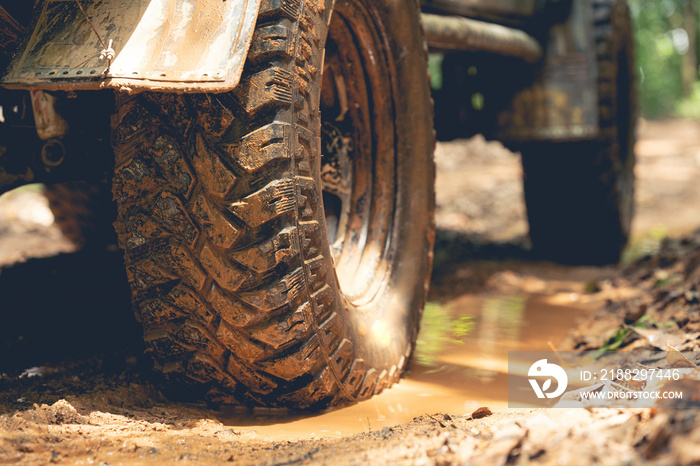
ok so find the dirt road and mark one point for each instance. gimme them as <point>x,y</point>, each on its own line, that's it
<point>76,387</point>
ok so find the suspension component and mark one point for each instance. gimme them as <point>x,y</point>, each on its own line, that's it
<point>49,123</point>
<point>454,33</point>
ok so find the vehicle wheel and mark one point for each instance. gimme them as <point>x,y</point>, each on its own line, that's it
<point>83,212</point>
<point>580,196</point>
<point>279,255</point>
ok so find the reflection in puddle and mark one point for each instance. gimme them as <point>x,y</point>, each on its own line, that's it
<point>439,329</point>
<point>451,372</point>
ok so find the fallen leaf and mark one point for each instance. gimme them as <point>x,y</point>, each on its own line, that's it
<point>676,360</point>
<point>659,338</point>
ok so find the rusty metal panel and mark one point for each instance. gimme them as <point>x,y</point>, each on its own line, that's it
<point>562,104</point>
<point>477,8</point>
<point>177,45</point>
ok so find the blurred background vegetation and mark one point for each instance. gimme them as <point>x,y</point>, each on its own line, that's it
<point>667,57</point>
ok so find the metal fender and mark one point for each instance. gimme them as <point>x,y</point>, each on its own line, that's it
<point>139,45</point>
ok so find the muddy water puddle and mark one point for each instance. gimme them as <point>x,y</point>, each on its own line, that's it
<point>461,363</point>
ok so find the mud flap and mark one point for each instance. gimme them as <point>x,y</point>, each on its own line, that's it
<point>158,45</point>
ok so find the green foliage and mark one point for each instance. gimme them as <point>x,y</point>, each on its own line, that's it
<point>659,56</point>
<point>690,106</point>
<point>621,336</point>
<point>615,342</point>
<point>435,68</point>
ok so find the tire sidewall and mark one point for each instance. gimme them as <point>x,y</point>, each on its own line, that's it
<point>398,303</point>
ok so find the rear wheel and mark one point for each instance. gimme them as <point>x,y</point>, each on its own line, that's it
<point>580,196</point>
<point>278,238</point>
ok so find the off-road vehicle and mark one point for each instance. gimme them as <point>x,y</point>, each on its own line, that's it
<point>272,162</point>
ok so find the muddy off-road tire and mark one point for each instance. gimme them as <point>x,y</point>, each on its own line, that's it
<point>580,195</point>
<point>226,204</point>
<point>83,212</point>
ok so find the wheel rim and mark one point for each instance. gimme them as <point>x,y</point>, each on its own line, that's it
<point>358,156</point>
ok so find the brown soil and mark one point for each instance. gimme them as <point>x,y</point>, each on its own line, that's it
<point>76,387</point>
